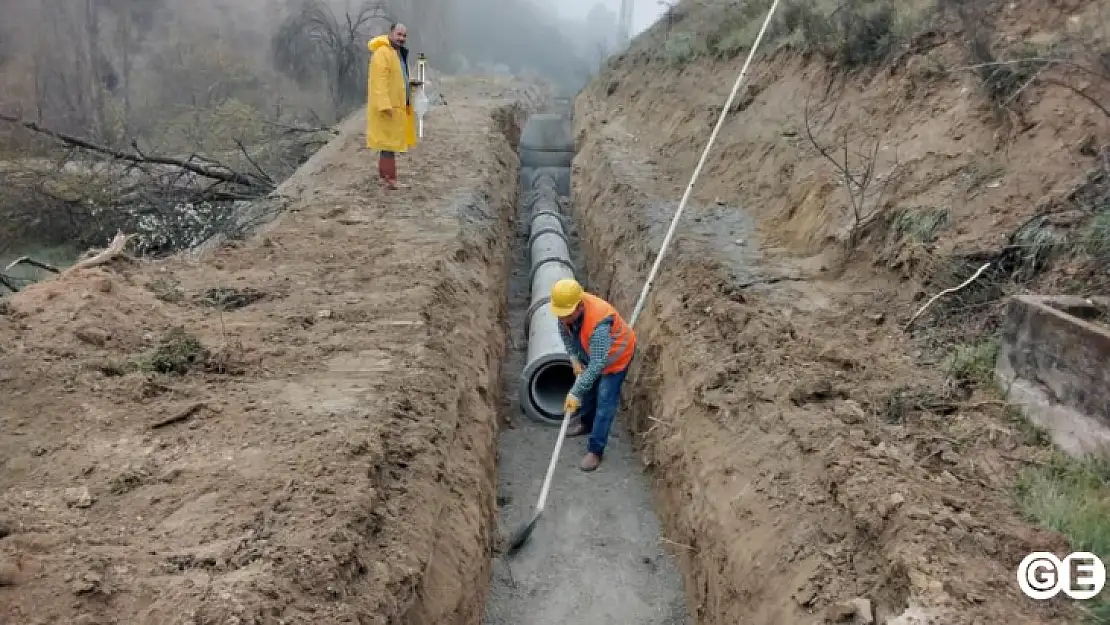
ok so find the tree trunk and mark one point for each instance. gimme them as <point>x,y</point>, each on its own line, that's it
<point>92,33</point>
<point>125,29</point>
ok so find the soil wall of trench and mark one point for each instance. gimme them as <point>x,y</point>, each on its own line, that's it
<point>783,500</point>
<point>690,335</point>
<point>776,513</point>
<point>338,466</point>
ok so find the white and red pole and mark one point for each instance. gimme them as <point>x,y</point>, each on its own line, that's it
<point>421,95</point>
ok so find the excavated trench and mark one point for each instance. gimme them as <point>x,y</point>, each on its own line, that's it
<point>597,555</point>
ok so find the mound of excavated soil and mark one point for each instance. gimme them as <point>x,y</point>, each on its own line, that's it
<point>298,429</point>
<point>798,486</point>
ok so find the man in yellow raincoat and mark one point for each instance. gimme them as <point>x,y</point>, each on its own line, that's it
<point>390,121</point>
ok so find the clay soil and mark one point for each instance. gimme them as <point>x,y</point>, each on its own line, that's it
<point>296,428</point>
<point>809,456</point>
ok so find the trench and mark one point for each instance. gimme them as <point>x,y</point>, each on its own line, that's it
<point>597,555</point>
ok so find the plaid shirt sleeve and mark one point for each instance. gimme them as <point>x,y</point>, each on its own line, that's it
<point>600,342</point>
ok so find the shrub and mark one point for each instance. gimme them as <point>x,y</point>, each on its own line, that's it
<point>1096,238</point>
<point>177,352</point>
<point>853,33</point>
<point>680,48</point>
<point>920,226</point>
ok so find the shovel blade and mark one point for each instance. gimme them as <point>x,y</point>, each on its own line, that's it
<point>521,535</point>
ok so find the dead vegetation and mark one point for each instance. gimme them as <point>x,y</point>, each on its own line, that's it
<point>856,160</point>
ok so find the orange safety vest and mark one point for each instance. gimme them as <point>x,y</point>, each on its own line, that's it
<point>595,310</point>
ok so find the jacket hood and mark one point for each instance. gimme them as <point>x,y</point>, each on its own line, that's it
<point>379,42</point>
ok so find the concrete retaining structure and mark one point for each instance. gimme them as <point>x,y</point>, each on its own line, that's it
<point>1054,362</point>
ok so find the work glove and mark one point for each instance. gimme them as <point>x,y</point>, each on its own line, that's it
<point>577,366</point>
<point>572,404</point>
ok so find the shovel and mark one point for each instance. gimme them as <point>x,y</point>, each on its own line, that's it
<point>521,535</point>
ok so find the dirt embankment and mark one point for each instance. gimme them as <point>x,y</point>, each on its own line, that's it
<point>807,453</point>
<point>299,428</point>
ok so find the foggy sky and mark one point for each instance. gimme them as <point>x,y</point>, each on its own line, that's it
<point>643,15</point>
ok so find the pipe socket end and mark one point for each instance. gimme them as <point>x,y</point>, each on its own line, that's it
<point>544,387</point>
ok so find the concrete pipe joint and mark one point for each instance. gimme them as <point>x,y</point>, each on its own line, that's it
<point>547,140</point>
<point>548,375</point>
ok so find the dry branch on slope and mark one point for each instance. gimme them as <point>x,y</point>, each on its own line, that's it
<point>858,169</point>
<point>259,183</point>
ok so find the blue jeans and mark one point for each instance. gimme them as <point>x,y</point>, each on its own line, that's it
<point>599,409</point>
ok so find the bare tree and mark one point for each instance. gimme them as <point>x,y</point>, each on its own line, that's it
<point>856,161</point>
<point>314,40</point>
<point>5,45</point>
<point>132,19</point>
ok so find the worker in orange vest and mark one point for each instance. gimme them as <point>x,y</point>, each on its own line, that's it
<point>601,346</point>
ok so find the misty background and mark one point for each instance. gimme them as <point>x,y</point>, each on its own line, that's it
<point>117,68</point>
<point>157,116</point>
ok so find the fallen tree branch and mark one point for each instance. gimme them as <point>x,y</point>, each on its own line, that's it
<point>962,285</point>
<point>8,284</point>
<point>113,251</point>
<point>254,163</point>
<point>774,280</point>
<point>27,260</point>
<point>222,173</point>
<point>295,129</point>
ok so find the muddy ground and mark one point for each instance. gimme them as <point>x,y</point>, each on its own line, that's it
<point>797,488</point>
<point>297,428</point>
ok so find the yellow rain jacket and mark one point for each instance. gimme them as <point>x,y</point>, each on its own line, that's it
<point>390,121</point>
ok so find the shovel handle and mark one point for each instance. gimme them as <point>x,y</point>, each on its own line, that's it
<point>554,461</point>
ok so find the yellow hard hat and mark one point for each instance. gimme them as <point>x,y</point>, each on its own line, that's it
<point>565,295</point>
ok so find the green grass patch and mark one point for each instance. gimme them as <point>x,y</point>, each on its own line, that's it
<point>1004,75</point>
<point>973,364</point>
<point>1032,434</point>
<point>1071,496</point>
<point>920,226</point>
<point>1037,243</point>
<point>1096,237</point>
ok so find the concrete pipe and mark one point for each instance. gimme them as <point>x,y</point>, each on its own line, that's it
<point>547,140</point>
<point>548,375</point>
<point>560,175</point>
